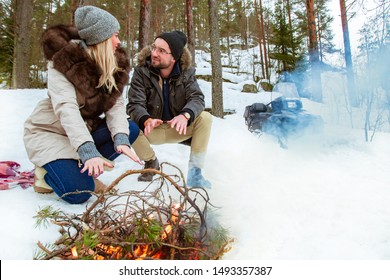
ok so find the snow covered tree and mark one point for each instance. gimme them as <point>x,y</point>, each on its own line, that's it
<point>373,79</point>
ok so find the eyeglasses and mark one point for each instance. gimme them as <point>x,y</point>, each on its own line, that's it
<point>160,51</point>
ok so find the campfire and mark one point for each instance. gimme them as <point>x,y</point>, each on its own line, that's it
<point>162,221</point>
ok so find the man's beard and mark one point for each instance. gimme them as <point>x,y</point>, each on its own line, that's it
<point>159,65</point>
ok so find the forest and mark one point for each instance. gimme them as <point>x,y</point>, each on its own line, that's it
<point>293,37</point>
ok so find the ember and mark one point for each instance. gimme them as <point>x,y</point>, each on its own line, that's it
<point>160,222</point>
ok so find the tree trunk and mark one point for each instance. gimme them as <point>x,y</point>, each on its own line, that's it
<point>260,36</point>
<point>129,32</point>
<point>73,6</point>
<point>217,97</point>
<point>320,52</point>
<point>144,24</point>
<point>313,53</point>
<point>228,32</point>
<point>262,41</point>
<point>190,29</point>
<point>21,66</point>
<point>159,14</point>
<point>265,48</point>
<point>348,55</point>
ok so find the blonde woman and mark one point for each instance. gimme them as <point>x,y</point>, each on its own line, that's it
<point>73,135</point>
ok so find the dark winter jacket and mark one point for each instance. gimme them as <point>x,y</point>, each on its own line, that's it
<point>145,93</point>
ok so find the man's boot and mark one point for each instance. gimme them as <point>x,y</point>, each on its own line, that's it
<point>40,185</point>
<point>148,176</point>
<point>196,179</point>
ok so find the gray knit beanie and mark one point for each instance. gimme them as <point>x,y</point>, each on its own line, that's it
<point>95,25</point>
<point>176,41</point>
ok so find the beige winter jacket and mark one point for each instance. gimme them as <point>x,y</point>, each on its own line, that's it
<point>56,128</point>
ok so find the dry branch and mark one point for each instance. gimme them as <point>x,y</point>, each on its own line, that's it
<point>158,222</point>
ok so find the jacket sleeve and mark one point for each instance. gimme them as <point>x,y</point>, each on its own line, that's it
<point>194,95</point>
<point>117,119</point>
<point>136,106</point>
<point>63,98</point>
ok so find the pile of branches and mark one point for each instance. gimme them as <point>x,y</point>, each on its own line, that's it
<point>162,221</point>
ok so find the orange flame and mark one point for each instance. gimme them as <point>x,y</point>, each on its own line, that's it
<point>74,252</point>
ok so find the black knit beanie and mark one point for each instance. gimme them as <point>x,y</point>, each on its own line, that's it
<point>176,41</point>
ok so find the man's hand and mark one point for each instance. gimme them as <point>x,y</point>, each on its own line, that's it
<point>180,123</point>
<point>151,124</point>
<point>126,150</point>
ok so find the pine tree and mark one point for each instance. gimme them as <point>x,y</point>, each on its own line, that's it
<point>285,44</point>
<point>6,42</point>
<point>324,31</point>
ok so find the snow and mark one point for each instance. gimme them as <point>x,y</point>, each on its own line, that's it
<point>325,197</point>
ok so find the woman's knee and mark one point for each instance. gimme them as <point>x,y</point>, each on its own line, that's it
<point>64,177</point>
<point>75,191</point>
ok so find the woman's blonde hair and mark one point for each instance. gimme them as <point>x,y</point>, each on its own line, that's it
<point>104,55</point>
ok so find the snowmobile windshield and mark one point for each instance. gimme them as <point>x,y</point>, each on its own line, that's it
<point>287,90</point>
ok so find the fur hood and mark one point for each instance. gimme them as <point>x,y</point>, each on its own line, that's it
<point>62,45</point>
<point>143,58</point>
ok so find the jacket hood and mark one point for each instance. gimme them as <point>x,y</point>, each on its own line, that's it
<point>143,58</point>
<point>57,37</point>
<point>56,43</point>
<point>71,59</point>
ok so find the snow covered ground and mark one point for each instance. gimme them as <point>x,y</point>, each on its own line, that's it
<point>324,198</point>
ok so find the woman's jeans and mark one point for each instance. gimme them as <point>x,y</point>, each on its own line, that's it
<point>64,176</point>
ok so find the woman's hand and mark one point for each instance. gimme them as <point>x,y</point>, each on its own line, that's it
<point>95,166</point>
<point>126,150</point>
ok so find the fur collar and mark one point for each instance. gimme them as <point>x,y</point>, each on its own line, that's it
<point>143,58</point>
<point>63,46</point>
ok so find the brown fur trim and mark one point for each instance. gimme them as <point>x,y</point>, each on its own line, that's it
<point>55,38</point>
<point>185,60</point>
<point>72,60</point>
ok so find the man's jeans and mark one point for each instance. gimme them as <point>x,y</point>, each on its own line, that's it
<point>64,176</point>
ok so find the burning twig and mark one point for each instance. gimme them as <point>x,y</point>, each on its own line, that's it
<point>158,222</point>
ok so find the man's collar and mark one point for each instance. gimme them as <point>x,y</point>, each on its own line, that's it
<point>176,70</point>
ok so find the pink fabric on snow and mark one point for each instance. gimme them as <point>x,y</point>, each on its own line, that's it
<point>10,176</point>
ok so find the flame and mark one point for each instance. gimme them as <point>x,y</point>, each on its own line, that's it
<point>140,251</point>
<point>74,252</point>
<point>115,252</point>
<point>166,232</point>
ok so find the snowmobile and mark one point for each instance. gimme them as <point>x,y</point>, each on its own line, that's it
<point>283,117</point>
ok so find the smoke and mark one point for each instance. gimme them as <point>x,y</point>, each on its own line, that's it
<point>370,90</point>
